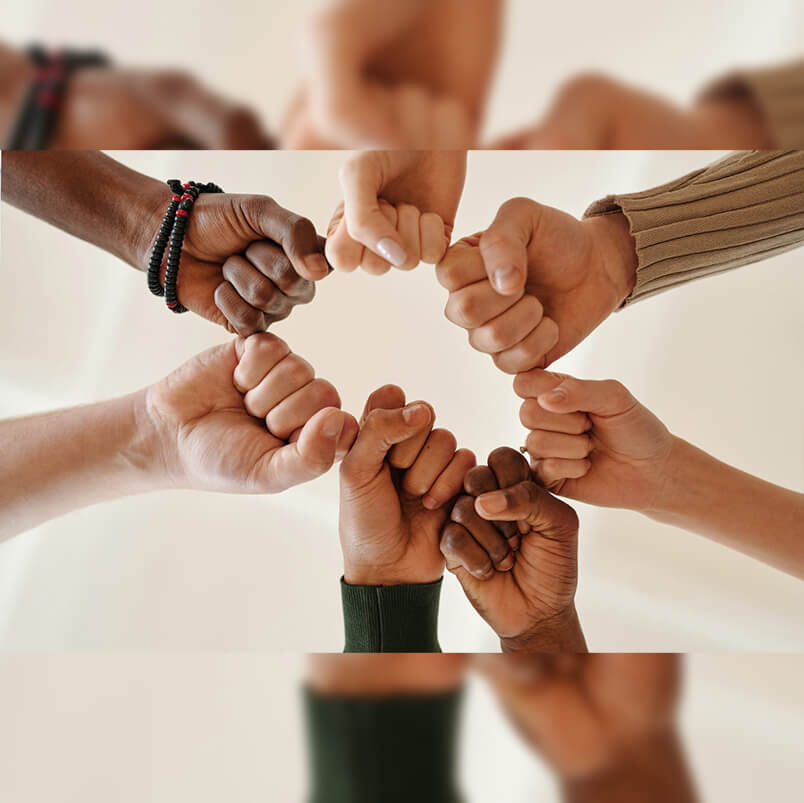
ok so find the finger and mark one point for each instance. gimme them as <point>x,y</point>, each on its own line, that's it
<point>433,458</point>
<point>243,319</point>
<point>541,443</point>
<point>407,224</point>
<point>532,383</point>
<point>296,234</point>
<point>342,251</point>
<point>254,288</point>
<point>509,466</point>
<point>484,533</point>
<point>387,397</point>
<point>529,503</point>
<point>530,352</point>
<point>460,266</point>
<point>451,125</point>
<point>599,397</point>
<point>534,416</point>
<point>552,471</point>
<point>509,328</point>
<point>373,263</point>
<point>381,430</point>
<point>273,263</point>
<point>462,552</point>
<point>310,456</point>
<point>289,375</point>
<point>434,239</point>
<point>503,245</point>
<point>477,304</point>
<point>480,480</point>
<point>299,407</point>
<point>361,179</point>
<point>258,356</point>
<point>450,482</point>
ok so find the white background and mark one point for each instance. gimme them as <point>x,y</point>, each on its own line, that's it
<point>719,360</point>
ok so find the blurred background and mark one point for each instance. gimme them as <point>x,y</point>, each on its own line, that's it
<point>250,52</point>
<point>131,728</point>
<point>718,360</point>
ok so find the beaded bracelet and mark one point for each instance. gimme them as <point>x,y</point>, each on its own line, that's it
<point>171,233</point>
<point>34,125</point>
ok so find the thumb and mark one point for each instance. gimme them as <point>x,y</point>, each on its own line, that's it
<point>381,430</point>
<point>312,454</point>
<point>601,397</point>
<point>362,178</point>
<point>503,245</point>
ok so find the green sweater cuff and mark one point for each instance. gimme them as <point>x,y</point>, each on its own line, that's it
<point>383,750</point>
<point>401,618</point>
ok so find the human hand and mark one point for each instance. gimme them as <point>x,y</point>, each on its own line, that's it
<point>399,209</point>
<point>592,440</point>
<point>596,112</point>
<point>120,108</point>
<point>537,281</point>
<point>247,417</point>
<point>246,261</point>
<point>514,552</point>
<point>395,483</point>
<point>589,714</point>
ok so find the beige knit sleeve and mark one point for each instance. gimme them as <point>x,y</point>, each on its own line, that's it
<point>778,93</point>
<point>741,209</point>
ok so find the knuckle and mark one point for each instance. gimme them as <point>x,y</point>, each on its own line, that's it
<point>444,439</point>
<point>263,293</point>
<point>300,228</point>
<point>325,394</point>
<point>298,370</point>
<point>463,309</point>
<point>463,511</point>
<point>172,82</point>
<point>454,540</point>
<point>517,205</point>
<point>494,335</point>
<point>586,85</point>
<point>530,413</point>
<point>266,346</point>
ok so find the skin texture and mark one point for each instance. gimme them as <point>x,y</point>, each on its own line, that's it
<point>606,723</point>
<point>396,484</point>
<point>523,581</point>
<point>246,261</point>
<point>537,282</point>
<point>244,417</point>
<point>405,201</point>
<point>118,108</point>
<point>594,442</point>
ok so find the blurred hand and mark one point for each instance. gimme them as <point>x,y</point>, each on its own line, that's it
<point>583,713</point>
<point>399,209</point>
<point>524,587</point>
<point>114,108</point>
<point>597,112</point>
<point>247,417</point>
<point>537,281</point>
<point>592,440</point>
<point>246,261</point>
<point>395,483</point>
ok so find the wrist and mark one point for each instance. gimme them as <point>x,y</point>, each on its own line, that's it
<point>145,208</point>
<point>559,633</point>
<point>616,249</point>
<point>377,575</point>
<point>684,475</point>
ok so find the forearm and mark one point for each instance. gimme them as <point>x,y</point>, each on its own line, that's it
<point>88,195</point>
<point>56,462</point>
<point>743,512</point>
<point>655,770</point>
<point>562,633</point>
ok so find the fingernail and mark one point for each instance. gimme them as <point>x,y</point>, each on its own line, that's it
<point>392,251</point>
<point>415,413</point>
<point>316,266</point>
<point>555,396</point>
<point>430,502</point>
<point>333,426</point>
<point>506,279</point>
<point>493,503</point>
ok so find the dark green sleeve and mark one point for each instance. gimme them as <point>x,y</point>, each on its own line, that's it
<point>400,618</point>
<point>383,750</point>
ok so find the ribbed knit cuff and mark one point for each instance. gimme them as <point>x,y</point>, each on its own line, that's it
<point>741,209</point>
<point>778,93</point>
<point>401,618</point>
<point>383,750</point>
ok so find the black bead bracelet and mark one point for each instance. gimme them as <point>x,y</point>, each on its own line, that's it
<point>171,237</point>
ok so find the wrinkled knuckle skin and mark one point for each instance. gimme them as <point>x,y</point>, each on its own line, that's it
<point>263,294</point>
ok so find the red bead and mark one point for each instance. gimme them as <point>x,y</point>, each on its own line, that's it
<point>182,213</point>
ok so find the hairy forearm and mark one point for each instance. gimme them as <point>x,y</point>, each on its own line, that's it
<point>54,463</point>
<point>739,510</point>
<point>88,195</point>
<point>562,633</point>
<point>655,770</point>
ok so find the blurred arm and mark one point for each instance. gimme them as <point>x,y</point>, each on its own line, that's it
<point>88,195</point>
<point>57,462</point>
<point>739,210</point>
